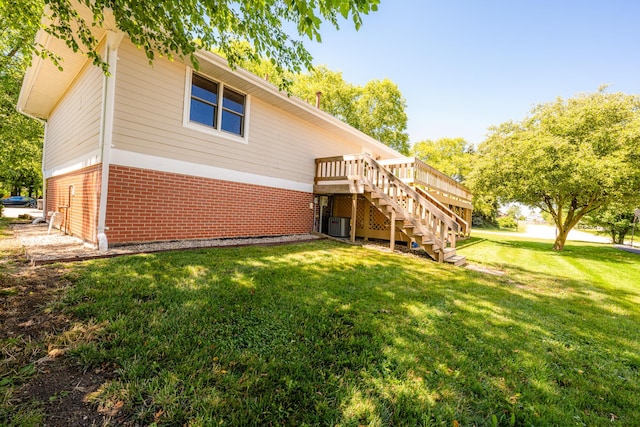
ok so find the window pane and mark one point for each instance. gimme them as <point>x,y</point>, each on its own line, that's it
<point>233,101</point>
<point>202,113</point>
<point>204,89</point>
<point>231,122</point>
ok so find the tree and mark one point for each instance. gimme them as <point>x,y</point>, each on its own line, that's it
<point>616,219</point>
<point>451,156</point>
<point>20,136</point>
<point>377,108</point>
<point>181,28</point>
<point>485,207</point>
<point>568,157</point>
<point>380,114</point>
<point>338,96</point>
<point>19,25</point>
<point>515,211</point>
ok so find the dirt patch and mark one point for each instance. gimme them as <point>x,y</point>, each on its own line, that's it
<point>56,386</point>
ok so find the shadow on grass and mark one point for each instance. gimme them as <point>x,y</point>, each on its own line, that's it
<point>468,242</point>
<point>326,334</point>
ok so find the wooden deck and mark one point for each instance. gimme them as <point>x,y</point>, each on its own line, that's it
<point>418,203</point>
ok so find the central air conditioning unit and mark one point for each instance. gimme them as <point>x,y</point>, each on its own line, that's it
<point>339,226</point>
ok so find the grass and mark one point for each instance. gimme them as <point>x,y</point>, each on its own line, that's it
<point>327,334</point>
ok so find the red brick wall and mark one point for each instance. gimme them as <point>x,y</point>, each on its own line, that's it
<point>145,205</point>
<point>81,217</point>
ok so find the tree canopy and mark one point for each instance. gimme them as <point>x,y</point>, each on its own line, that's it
<point>20,136</point>
<point>569,157</point>
<point>616,219</point>
<point>180,28</point>
<point>451,156</point>
<point>377,108</point>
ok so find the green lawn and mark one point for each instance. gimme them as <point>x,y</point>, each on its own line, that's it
<point>327,334</point>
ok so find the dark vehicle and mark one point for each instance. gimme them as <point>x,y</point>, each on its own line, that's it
<point>19,201</point>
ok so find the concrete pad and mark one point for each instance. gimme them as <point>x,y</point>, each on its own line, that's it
<point>16,212</point>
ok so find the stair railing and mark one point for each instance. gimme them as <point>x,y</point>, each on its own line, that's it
<point>415,171</point>
<point>463,225</point>
<point>432,221</point>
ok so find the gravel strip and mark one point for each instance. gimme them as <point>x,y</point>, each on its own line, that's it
<point>43,248</point>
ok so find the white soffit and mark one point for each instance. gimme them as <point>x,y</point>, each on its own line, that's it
<point>44,84</point>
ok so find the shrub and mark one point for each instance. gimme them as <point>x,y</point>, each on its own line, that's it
<point>507,222</point>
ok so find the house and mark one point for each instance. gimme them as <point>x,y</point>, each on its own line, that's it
<point>165,152</point>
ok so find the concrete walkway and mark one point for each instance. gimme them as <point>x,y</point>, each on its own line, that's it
<point>625,248</point>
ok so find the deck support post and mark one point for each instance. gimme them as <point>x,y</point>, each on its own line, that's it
<point>392,242</point>
<point>354,209</point>
<point>367,215</point>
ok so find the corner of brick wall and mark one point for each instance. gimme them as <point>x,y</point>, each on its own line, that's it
<point>78,207</point>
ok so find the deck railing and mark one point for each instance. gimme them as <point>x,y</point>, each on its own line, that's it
<point>463,226</point>
<point>414,171</point>
<point>339,168</point>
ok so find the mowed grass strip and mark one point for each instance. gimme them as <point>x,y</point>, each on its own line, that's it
<point>326,334</point>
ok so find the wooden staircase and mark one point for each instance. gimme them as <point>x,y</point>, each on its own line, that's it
<point>425,222</point>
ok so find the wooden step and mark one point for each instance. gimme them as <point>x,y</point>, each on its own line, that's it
<point>457,260</point>
<point>399,215</point>
<point>449,253</point>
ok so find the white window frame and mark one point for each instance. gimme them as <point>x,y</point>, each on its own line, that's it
<point>215,131</point>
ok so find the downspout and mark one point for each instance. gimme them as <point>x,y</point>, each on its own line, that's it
<point>44,176</point>
<point>106,132</point>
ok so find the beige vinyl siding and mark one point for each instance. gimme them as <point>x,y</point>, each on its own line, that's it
<point>73,128</point>
<point>149,120</point>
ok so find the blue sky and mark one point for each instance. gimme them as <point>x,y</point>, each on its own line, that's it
<point>465,65</point>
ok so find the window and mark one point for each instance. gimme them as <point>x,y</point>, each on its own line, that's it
<point>204,101</point>
<point>232,111</point>
<point>205,108</point>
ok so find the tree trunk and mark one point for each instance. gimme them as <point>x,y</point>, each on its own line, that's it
<point>561,239</point>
